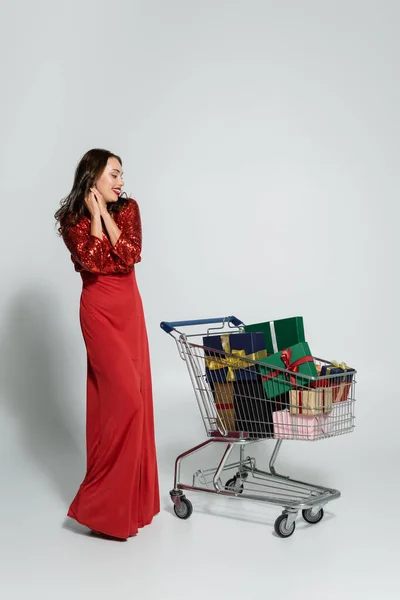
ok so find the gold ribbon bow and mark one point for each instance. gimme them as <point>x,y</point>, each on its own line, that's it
<point>341,365</point>
<point>232,362</point>
<point>336,365</point>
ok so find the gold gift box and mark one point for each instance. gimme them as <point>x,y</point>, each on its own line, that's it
<point>310,402</point>
<point>224,403</point>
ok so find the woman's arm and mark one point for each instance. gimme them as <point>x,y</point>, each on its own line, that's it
<point>87,244</point>
<point>86,248</point>
<point>99,205</point>
<point>94,209</point>
<point>129,244</point>
<point>96,228</point>
<point>112,228</point>
<point>126,242</point>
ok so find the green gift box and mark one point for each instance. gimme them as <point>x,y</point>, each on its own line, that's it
<point>280,334</point>
<point>298,360</point>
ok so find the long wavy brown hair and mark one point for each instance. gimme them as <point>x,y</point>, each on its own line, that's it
<point>90,167</point>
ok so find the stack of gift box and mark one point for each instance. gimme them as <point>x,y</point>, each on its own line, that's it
<point>266,383</point>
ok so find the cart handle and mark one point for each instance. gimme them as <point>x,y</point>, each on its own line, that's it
<point>169,326</point>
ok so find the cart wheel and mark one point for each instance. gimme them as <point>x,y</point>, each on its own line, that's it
<point>313,519</point>
<point>281,529</point>
<point>185,509</point>
<point>232,486</point>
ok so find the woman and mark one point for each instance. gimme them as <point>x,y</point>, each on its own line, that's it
<point>102,231</point>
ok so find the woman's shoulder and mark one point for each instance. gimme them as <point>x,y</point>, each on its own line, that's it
<point>131,203</point>
<point>130,207</point>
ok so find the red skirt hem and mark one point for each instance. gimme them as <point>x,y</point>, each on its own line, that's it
<point>94,528</point>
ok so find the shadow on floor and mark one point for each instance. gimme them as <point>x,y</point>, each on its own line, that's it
<point>34,390</point>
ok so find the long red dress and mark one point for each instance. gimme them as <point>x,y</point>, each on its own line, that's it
<point>120,491</point>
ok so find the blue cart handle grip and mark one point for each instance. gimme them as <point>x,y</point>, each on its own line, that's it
<point>169,326</point>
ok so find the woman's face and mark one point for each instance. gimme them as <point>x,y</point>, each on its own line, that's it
<point>110,182</point>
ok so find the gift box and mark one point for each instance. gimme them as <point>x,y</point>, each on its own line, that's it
<point>301,427</point>
<point>311,428</point>
<point>340,385</point>
<point>296,359</point>
<point>224,404</point>
<point>282,420</point>
<point>310,402</point>
<point>280,334</point>
<point>253,410</point>
<point>223,369</point>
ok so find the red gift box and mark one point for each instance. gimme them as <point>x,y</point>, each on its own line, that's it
<point>339,377</point>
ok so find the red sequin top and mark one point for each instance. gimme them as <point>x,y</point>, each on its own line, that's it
<point>90,253</point>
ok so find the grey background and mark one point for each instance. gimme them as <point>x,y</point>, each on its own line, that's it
<point>261,140</point>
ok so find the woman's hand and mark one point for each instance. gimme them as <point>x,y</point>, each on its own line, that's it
<point>100,201</point>
<point>92,205</point>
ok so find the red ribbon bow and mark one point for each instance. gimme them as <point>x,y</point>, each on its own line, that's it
<point>286,356</point>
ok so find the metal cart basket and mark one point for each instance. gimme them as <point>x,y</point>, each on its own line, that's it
<point>239,412</point>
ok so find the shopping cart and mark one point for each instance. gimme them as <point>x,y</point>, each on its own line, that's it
<point>247,416</point>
